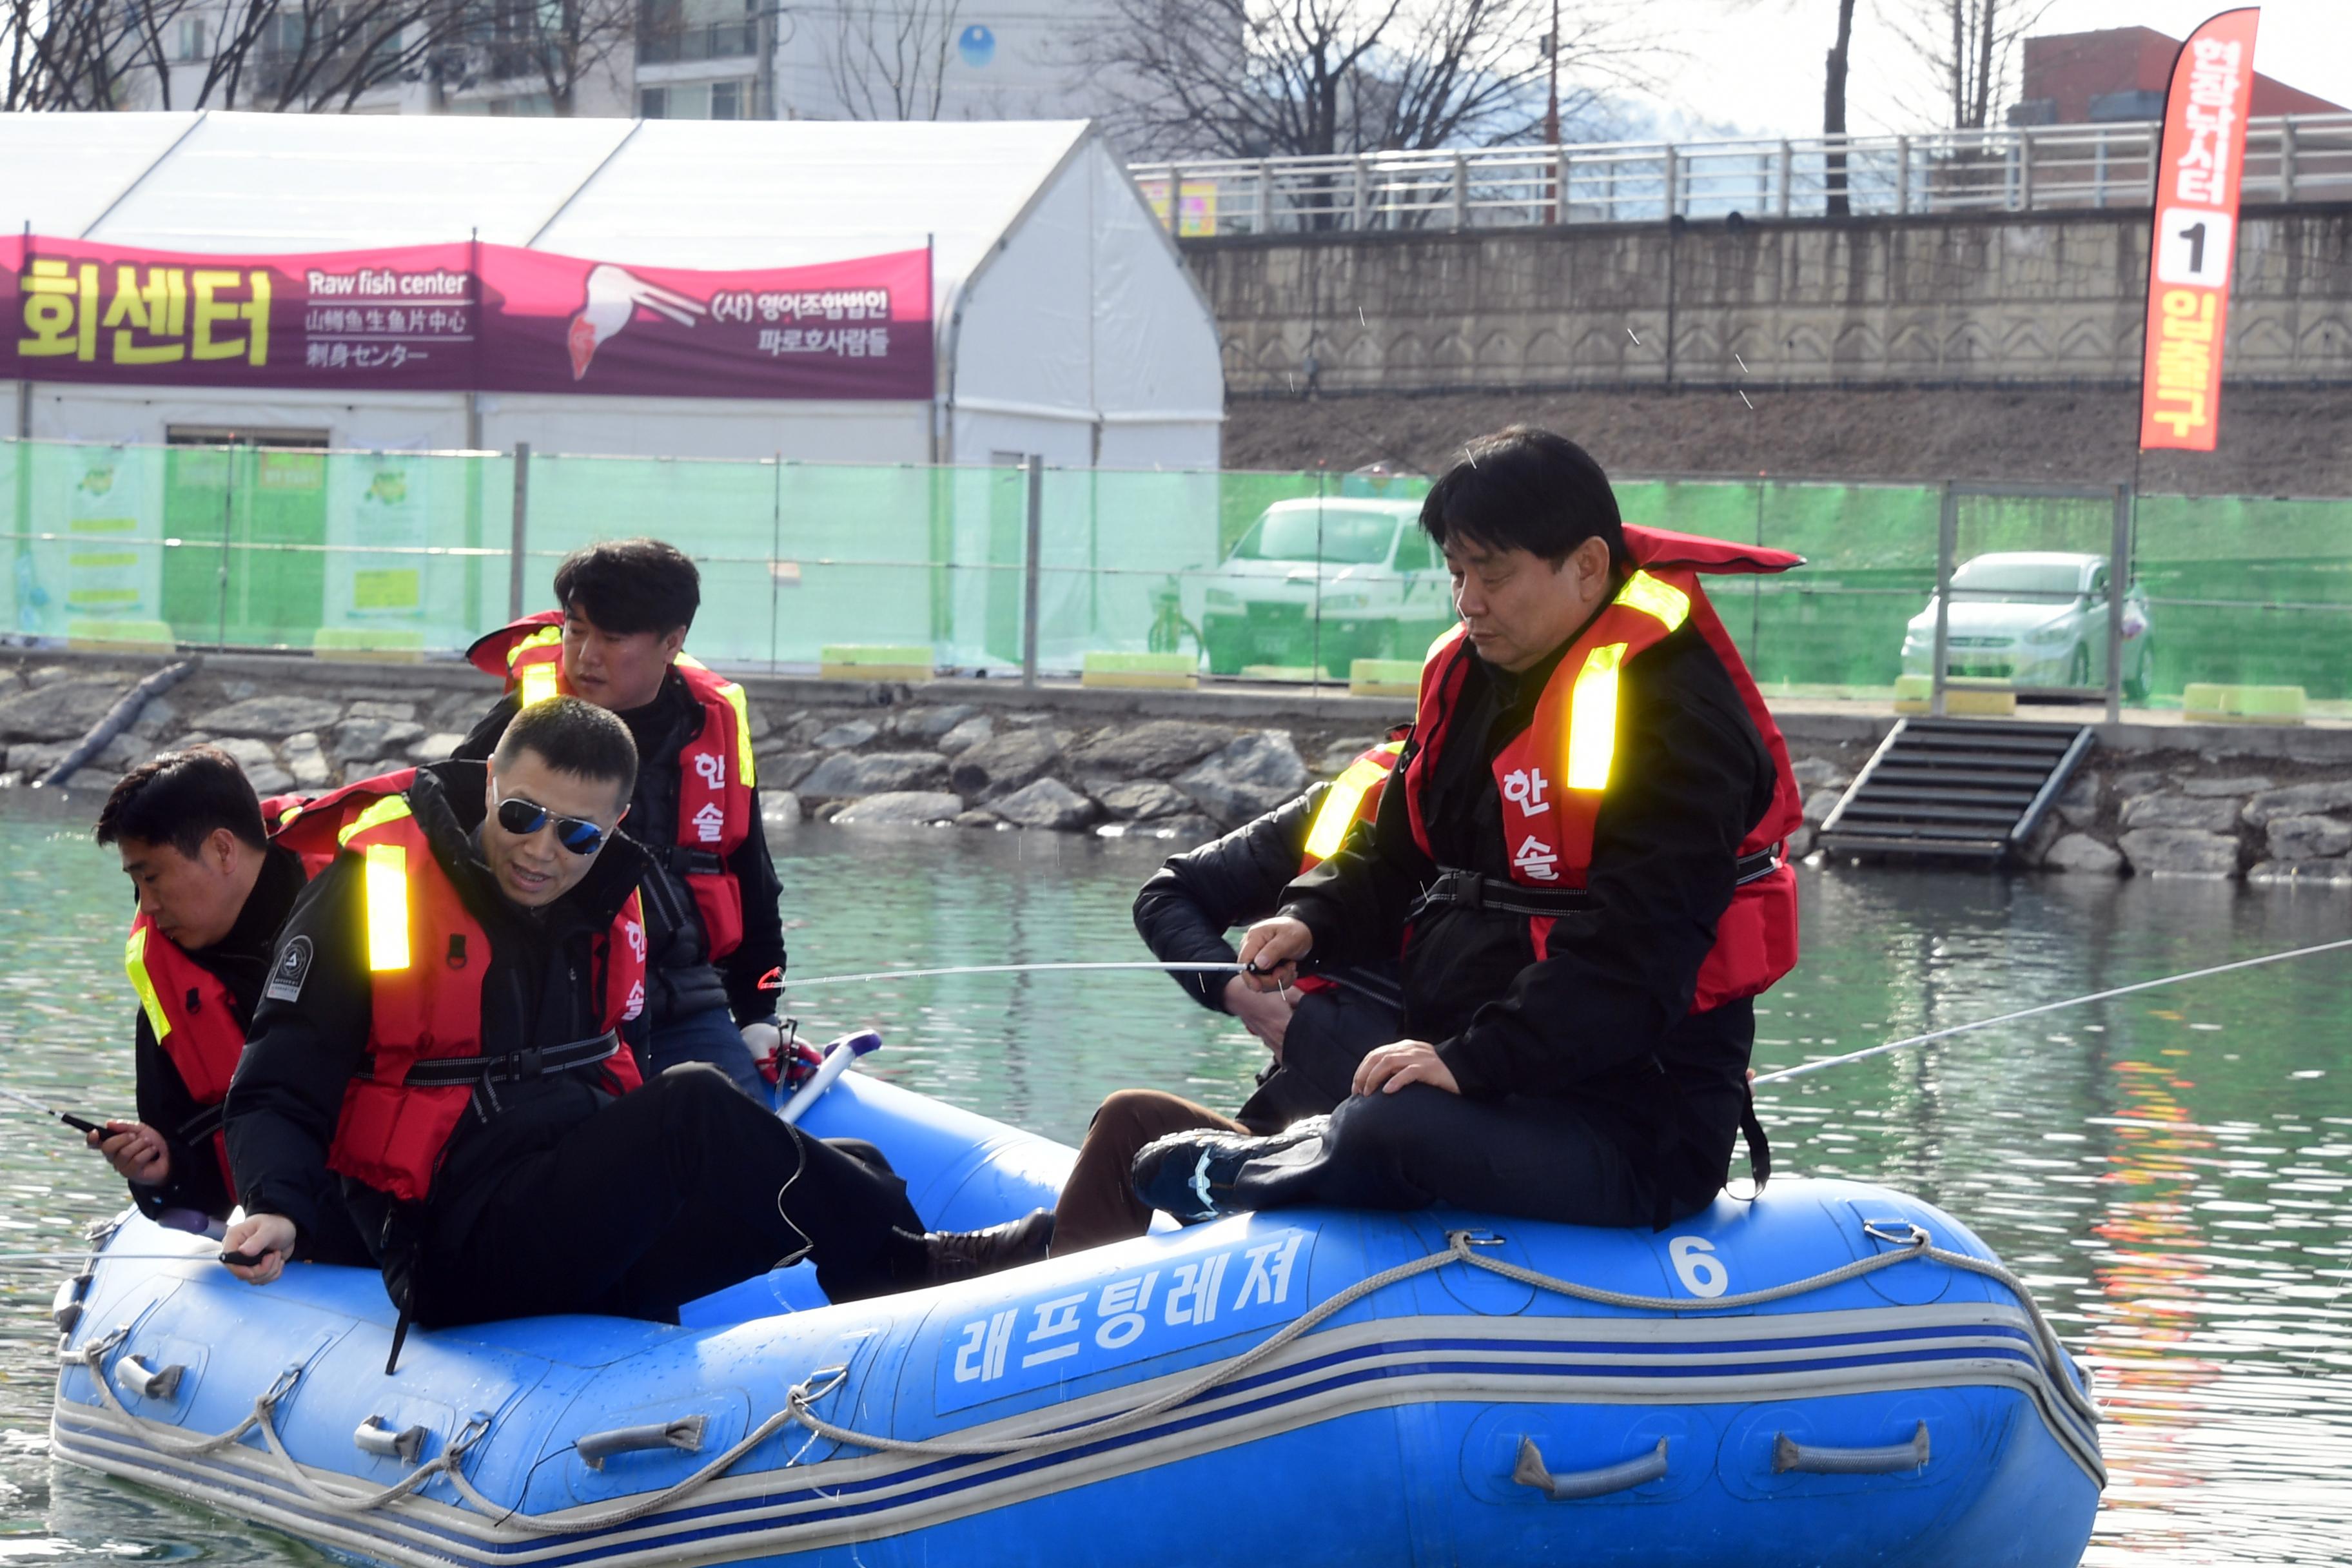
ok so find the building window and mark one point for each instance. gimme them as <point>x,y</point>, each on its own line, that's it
<point>652,104</point>
<point>192,38</point>
<point>727,99</point>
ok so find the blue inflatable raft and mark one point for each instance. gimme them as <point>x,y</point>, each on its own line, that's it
<point>1835,1375</point>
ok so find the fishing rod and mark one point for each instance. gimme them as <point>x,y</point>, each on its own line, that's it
<point>1008,969</point>
<point>1825,1063</point>
<point>30,1103</point>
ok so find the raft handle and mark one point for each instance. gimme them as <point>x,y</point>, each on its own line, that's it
<point>376,1436</point>
<point>148,1382</point>
<point>684,1433</point>
<point>65,1307</point>
<point>1530,1472</point>
<point>1787,1454</point>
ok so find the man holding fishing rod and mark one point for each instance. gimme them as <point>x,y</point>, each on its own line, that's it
<point>445,1031</point>
<point>1579,861</point>
<point>212,892</point>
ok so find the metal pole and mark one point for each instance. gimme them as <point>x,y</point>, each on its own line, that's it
<point>1560,174</point>
<point>1788,174</point>
<point>2286,159</point>
<point>1264,197</point>
<point>2099,169</point>
<point>2024,171</point>
<point>1461,191</point>
<point>521,530</point>
<point>2119,567</point>
<point>1034,467</point>
<point>1363,193</point>
<point>1903,175</point>
<point>1948,542</point>
<point>1175,202</point>
<point>1674,171</point>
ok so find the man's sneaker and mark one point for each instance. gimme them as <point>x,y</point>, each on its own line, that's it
<point>968,1254</point>
<point>1190,1175</point>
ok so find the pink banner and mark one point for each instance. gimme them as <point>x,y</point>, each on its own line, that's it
<point>445,317</point>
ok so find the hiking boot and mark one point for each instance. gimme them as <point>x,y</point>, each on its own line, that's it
<point>1190,1175</point>
<point>968,1254</point>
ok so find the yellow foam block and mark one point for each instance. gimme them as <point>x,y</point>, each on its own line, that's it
<point>2206,702</point>
<point>1154,671</point>
<point>363,645</point>
<point>854,662</point>
<point>1383,678</point>
<point>119,636</point>
<point>1965,697</point>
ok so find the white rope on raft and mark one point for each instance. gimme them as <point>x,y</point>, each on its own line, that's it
<point>1880,1050</point>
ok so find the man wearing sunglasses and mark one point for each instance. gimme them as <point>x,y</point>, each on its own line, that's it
<point>445,1031</point>
<point>716,942</point>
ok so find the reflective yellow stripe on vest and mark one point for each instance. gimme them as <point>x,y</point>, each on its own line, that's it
<point>390,809</point>
<point>1663,601</point>
<point>387,907</point>
<point>1346,798</point>
<point>734,695</point>
<point>1593,718</point>
<point>135,960</point>
<point>537,681</point>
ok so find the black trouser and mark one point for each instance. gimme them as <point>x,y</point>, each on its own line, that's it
<point>1521,1154</point>
<point>1331,1033</point>
<point>673,1191</point>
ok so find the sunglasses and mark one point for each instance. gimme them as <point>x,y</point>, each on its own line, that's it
<point>523,818</point>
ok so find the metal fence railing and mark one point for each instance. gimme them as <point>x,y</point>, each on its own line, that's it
<point>1284,576</point>
<point>2305,157</point>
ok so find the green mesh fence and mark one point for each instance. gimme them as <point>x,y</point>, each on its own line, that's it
<point>1270,576</point>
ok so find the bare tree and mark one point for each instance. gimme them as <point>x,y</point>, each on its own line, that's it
<point>890,58</point>
<point>1243,78</point>
<point>318,55</point>
<point>1971,46</point>
<point>75,54</point>
<point>555,46</point>
<point>1833,79</point>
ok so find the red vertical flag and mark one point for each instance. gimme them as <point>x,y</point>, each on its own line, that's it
<point>2197,174</point>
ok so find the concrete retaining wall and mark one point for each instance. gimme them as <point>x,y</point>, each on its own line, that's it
<point>1969,299</point>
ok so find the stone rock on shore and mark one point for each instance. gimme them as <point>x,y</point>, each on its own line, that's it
<point>1251,776</point>
<point>1156,749</point>
<point>998,766</point>
<point>61,710</point>
<point>1047,804</point>
<point>2306,837</point>
<point>1820,804</point>
<point>931,723</point>
<point>900,808</point>
<point>1179,832</point>
<point>2081,852</point>
<point>305,760</point>
<point>2209,789</point>
<point>967,734</point>
<point>2180,852</point>
<point>1817,772</point>
<point>266,718</point>
<point>873,772</point>
<point>847,737</point>
<point>1143,800</point>
<point>259,763</point>
<point>2299,800</point>
<point>2179,811</point>
<point>2336,873</point>
<point>370,736</point>
<point>787,770</point>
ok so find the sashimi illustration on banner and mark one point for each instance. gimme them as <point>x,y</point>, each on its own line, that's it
<point>464,317</point>
<point>2195,239</point>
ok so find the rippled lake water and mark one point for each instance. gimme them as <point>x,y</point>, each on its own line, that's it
<point>2171,1170</point>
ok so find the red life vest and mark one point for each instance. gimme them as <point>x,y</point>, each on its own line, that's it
<point>426,957</point>
<point>194,1019</point>
<point>1552,776</point>
<point>716,811</point>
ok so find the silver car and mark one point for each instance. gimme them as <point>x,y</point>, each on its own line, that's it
<point>1364,566</point>
<point>2034,618</point>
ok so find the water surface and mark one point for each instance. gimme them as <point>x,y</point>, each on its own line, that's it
<point>2170,1170</point>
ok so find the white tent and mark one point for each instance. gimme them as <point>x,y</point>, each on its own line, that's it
<point>1067,325</point>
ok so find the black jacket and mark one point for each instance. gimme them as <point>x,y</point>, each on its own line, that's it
<point>680,978</point>
<point>1183,912</point>
<point>540,988</point>
<point>1604,1019</point>
<point>240,962</point>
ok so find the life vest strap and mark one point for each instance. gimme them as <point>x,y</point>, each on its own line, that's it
<point>689,862</point>
<point>1757,867</point>
<point>1494,895</point>
<point>509,1066</point>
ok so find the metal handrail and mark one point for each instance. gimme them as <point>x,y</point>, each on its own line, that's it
<point>2289,158</point>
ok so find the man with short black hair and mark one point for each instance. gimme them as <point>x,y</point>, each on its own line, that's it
<point>450,1044</point>
<point>211,891</point>
<point>717,953</point>
<point>1579,860</point>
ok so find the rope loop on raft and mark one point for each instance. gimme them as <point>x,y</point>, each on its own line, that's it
<point>801,1400</point>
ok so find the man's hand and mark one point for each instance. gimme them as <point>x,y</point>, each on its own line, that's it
<point>268,1238</point>
<point>135,1149</point>
<point>1391,1067</point>
<point>1272,949</point>
<point>1265,1014</point>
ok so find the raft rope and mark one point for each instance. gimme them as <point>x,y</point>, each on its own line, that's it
<point>1825,1063</point>
<point>802,1397</point>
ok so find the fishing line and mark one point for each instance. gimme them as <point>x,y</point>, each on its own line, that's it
<point>1880,1050</point>
<point>1006,969</point>
<point>30,1103</point>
